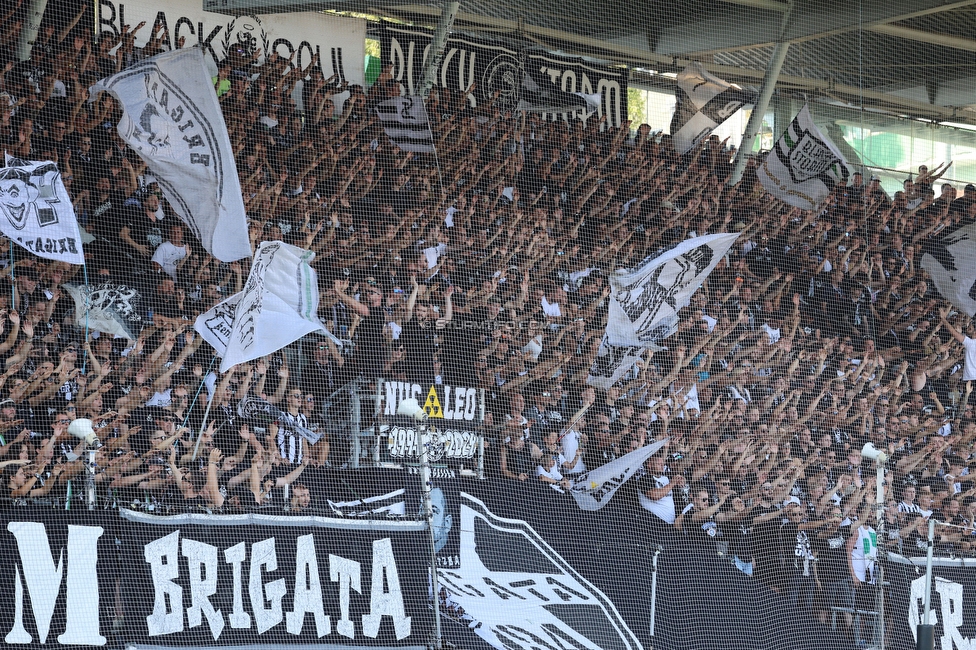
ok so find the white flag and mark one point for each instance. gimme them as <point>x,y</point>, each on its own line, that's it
<point>950,260</point>
<point>405,123</point>
<point>703,101</point>
<point>278,306</point>
<point>612,362</point>
<point>107,307</point>
<point>645,301</point>
<point>37,211</point>
<point>804,166</point>
<point>173,121</point>
<point>593,489</point>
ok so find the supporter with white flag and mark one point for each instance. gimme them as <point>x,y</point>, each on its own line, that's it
<point>36,211</point>
<point>593,489</point>
<point>173,121</point>
<point>278,306</point>
<point>645,301</point>
<point>703,102</point>
<point>804,166</point>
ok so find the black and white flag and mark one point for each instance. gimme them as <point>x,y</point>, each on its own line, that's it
<point>612,362</point>
<point>592,490</point>
<point>950,260</point>
<point>703,102</point>
<point>541,95</point>
<point>278,306</point>
<point>107,307</point>
<point>405,123</point>
<point>37,212</point>
<point>804,166</point>
<point>645,301</point>
<point>391,504</point>
<point>172,119</point>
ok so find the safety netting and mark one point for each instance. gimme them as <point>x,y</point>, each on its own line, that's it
<point>541,326</point>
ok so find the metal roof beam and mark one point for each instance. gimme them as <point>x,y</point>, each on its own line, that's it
<point>907,33</point>
<point>811,22</point>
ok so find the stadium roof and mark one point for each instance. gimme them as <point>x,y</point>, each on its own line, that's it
<point>910,57</point>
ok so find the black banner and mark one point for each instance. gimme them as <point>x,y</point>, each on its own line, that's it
<point>953,613</point>
<point>519,565</point>
<point>57,579</point>
<point>271,579</point>
<point>497,68</point>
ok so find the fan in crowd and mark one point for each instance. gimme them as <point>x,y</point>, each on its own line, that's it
<point>487,267</point>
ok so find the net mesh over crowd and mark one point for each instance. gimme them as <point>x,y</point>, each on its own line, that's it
<point>554,326</point>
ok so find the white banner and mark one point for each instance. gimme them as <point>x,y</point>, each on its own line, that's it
<point>593,489</point>
<point>645,301</point>
<point>37,211</point>
<point>804,166</point>
<point>339,41</point>
<point>173,121</point>
<point>277,307</point>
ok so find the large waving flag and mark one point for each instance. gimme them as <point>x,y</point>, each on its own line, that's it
<point>703,102</point>
<point>278,306</point>
<point>804,166</point>
<point>173,121</point>
<point>950,260</point>
<point>645,301</point>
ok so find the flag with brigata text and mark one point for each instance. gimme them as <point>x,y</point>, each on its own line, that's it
<point>172,120</point>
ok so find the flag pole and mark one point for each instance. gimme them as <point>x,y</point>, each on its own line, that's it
<point>449,11</point>
<point>203,425</point>
<point>762,103</point>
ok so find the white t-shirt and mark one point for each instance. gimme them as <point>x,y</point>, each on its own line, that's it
<point>969,370</point>
<point>663,507</point>
<point>570,443</point>
<point>168,255</point>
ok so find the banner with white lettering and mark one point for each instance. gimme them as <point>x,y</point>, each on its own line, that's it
<point>208,580</point>
<point>953,600</point>
<point>339,41</point>
<point>172,120</point>
<point>58,575</point>
<point>455,413</point>
<point>36,210</point>
<point>645,301</point>
<point>493,67</point>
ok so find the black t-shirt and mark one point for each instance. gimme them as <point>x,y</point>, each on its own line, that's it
<point>831,551</point>
<point>370,346</point>
<point>417,338</point>
<point>143,229</point>
<point>106,217</point>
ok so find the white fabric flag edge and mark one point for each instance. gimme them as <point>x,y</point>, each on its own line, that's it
<point>616,473</point>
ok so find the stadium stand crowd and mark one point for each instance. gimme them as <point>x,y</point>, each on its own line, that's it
<point>487,267</point>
